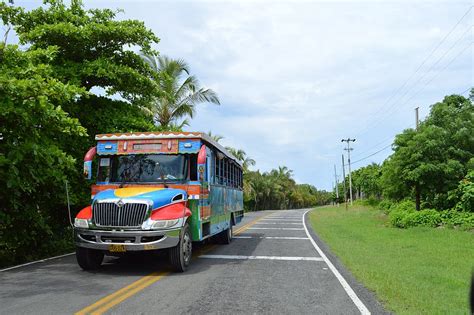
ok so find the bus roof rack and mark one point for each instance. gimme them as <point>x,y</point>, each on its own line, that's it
<point>166,135</point>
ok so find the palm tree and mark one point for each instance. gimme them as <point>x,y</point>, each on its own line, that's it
<point>242,157</point>
<point>216,137</point>
<point>181,92</point>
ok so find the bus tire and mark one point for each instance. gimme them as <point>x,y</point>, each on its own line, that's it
<point>89,259</point>
<point>180,255</point>
<point>225,237</point>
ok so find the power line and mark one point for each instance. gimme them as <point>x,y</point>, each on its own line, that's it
<point>390,110</point>
<point>466,90</point>
<point>419,67</point>
<point>381,142</point>
<point>444,68</point>
<point>377,152</point>
<point>374,146</point>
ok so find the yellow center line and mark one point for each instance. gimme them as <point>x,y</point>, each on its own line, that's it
<point>248,225</point>
<point>149,279</point>
<point>119,299</point>
<point>109,301</point>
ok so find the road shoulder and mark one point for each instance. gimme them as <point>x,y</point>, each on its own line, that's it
<point>365,295</point>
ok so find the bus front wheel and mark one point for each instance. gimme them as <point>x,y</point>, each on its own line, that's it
<point>89,259</point>
<point>180,255</point>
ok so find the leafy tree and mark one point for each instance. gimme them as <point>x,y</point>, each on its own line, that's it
<point>464,195</point>
<point>33,163</point>
<point>429,163</point>
<point>94,48</point>
<point>181,92</point>
<point>366,181</point>
<point>76,63</point>
<point>94,51</point>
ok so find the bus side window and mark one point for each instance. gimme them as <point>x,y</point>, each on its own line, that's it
<point>219,162</point>
<point>193,167</point>
<point>226,172</point>
<point>233,175</point>
<point>241,181</point>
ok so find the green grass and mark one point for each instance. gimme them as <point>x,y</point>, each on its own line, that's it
<point>412,271</point>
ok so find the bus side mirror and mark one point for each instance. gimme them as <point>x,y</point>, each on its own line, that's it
<point>87,172</point>
<point>201,161</point>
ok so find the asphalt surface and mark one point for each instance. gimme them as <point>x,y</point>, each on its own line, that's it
<point>272,266</point>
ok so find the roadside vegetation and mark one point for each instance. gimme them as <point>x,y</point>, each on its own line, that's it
<point>76,73</point>
<point>429,179</point>
<point>410,235</point>
<point>420,270</point>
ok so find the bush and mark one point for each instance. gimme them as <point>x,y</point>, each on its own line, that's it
<point>406,219</point>
<point>453,218</point>
<point>405,206</point>
<point>466,193</point>
<point>430,218</point>
<point>396,219</point>
<point>386,205</point>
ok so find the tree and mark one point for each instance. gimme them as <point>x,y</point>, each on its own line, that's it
<point>181,92</point>
<point>242,157</point>
<point>33,164</point>
<point>216,137</point>
<point>430,162</point>
<point>94,51</point>
<point>366,180</point>
<point>76,76</point>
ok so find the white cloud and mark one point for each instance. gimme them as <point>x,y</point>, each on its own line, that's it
<point>296,77</point>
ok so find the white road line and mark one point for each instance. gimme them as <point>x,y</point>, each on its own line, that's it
<point>362,308</point>
<point>294,220</point>
<point>271,228</point>
<point>273,237</point>
<point>35,262</point>
<point>277,223</point>
<point>240,257</point>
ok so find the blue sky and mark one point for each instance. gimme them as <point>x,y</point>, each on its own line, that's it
<point>294,77</point>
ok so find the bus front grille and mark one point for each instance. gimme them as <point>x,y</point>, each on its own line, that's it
<point>112,215</point>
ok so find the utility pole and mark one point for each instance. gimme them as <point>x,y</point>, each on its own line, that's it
<point>417,185</point>
<point>349,149</point>
<point>417,118</point>
<point>337,186</point>
<point>344,181</point>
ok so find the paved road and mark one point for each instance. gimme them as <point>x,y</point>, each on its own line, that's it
<point>272,266</point>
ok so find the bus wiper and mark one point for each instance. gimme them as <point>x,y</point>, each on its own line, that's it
<point>163,177</point>
<point>126,178</point>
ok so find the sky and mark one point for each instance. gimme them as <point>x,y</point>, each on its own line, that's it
<point>295,77</point>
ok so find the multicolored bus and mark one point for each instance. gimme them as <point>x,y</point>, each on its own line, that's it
<point>157,191</point>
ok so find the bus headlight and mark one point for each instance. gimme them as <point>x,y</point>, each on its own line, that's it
<point>164,224</point>
<point>81,223</point>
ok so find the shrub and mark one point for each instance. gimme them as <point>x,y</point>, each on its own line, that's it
<point>428,218</point>
<point>453,218</point>
<point>431,218</point>
<point>372,201</point>
<point>396,219</point>
<point>466,192</point>
<point>405,206</point>
<point>386,205</point>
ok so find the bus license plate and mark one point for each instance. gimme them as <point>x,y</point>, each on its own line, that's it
<point>117,248</point>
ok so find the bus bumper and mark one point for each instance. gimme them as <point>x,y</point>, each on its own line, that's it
<point>124,241</point>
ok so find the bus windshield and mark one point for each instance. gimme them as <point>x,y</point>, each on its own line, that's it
<point>145,168</point>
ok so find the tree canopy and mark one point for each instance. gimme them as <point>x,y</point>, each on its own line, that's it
<point>180,91</point>
<point>432,165</point>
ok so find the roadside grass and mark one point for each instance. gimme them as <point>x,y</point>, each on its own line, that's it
<point>412,271</point>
